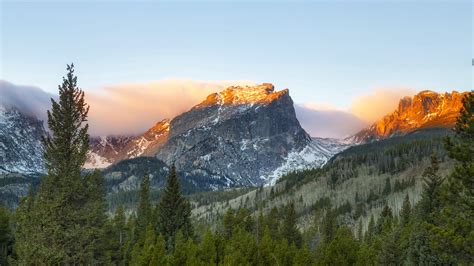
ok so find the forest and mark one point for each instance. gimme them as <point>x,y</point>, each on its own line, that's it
<point>66,220</point>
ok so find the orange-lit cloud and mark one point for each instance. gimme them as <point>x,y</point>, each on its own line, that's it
<point>133,108</point>
<point>325,120</point>
<point>379,102</point>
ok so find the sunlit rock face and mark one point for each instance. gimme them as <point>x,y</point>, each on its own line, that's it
<point>424,110</point>
<point>241,135</point>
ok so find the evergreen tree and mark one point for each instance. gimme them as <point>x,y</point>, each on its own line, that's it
<point>228,222</point>
<point>370,234</point>
<point>118,236</point>
<point>431,201</point>
<point>142,254</point>
<point>454,230</point>
<point>6,239</point>
<point>329,226</point>
<point>159,252</point>
<point>289,231</point>
<point>384,224</point>
<point>406,211</point>
<point>342,250</point>
<point>387,189</point>
<point>66,221</point>
<point>390,253</point>
<point>144,207</point>
<point>174,212</point>
<point>272,222</point>
<point>208,250</point>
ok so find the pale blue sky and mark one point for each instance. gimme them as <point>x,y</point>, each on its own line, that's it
<point>324,51</point>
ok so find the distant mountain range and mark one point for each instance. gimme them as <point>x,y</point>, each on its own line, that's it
<point>242,136</point>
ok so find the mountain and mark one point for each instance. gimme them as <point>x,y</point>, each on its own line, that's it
<point>107,150</point>
<point>426,109</point>
<point>21,150</point>
<point>244,135</point>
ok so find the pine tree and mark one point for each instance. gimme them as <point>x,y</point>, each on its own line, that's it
<point>142,254</point>
<point>174,212</point>
<point>144,207</point>
<point>228,222</point>
<point>118,236</point>
<point>405,212</point>
<point>68,208</point>
<point>454,237</point>
<point>207,249</point>
<point>289,231</point>
<point>384,224</point>
<point>387,188</point>
<point>159,252</point>
<point>370,234</point>
<point>430,201</point>
<point>342,250</point>
<point>329,226</point>
<point>6,239</point>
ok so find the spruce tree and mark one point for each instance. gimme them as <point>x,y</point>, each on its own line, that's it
<point>289,231</point>
<point>370,234</point>
<point>144,210</point>
<point>6,238</point>
<point>174,212</point>
<point>405,213</point>
<point>68,208</point>
<point>329,226</point>
<point>454,237</point>
<point>430,198</point>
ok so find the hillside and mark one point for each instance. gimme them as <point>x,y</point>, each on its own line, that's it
<point>357,182</point>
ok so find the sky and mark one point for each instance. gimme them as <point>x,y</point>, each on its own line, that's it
<point>330,54</point>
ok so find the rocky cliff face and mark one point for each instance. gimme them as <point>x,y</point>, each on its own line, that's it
<point>424,110</point>
<point>21,150</point>
<point>240,135</point>
<point>107,150</point>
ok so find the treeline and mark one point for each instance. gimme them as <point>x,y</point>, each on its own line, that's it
<point>389,156</point>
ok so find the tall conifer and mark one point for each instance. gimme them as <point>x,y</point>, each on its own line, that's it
<point>174,212</point>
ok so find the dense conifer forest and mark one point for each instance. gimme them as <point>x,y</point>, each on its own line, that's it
<point>65,220</point>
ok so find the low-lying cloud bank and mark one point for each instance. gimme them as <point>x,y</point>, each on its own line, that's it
<point>30,100</point>
<point>328,123</point>
<point>133,108</point>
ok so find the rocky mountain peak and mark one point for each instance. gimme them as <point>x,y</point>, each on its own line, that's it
<point>159,130</point>
<point>244,95</point>
<point>425,109</point>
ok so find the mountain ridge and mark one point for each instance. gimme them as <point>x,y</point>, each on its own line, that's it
<point>425,109</point>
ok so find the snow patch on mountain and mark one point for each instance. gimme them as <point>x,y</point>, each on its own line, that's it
<point>314,155</point>
<point>95,161</point>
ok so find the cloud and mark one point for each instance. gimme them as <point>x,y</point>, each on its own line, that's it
<point>327,122</point>
<point>133,108</point>
<point>29,100</point>
<point>379,102</point>
<point>323,120</point>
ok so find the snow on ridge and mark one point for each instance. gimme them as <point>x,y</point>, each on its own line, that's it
<point>95,161</point>
<point>316,154</point>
